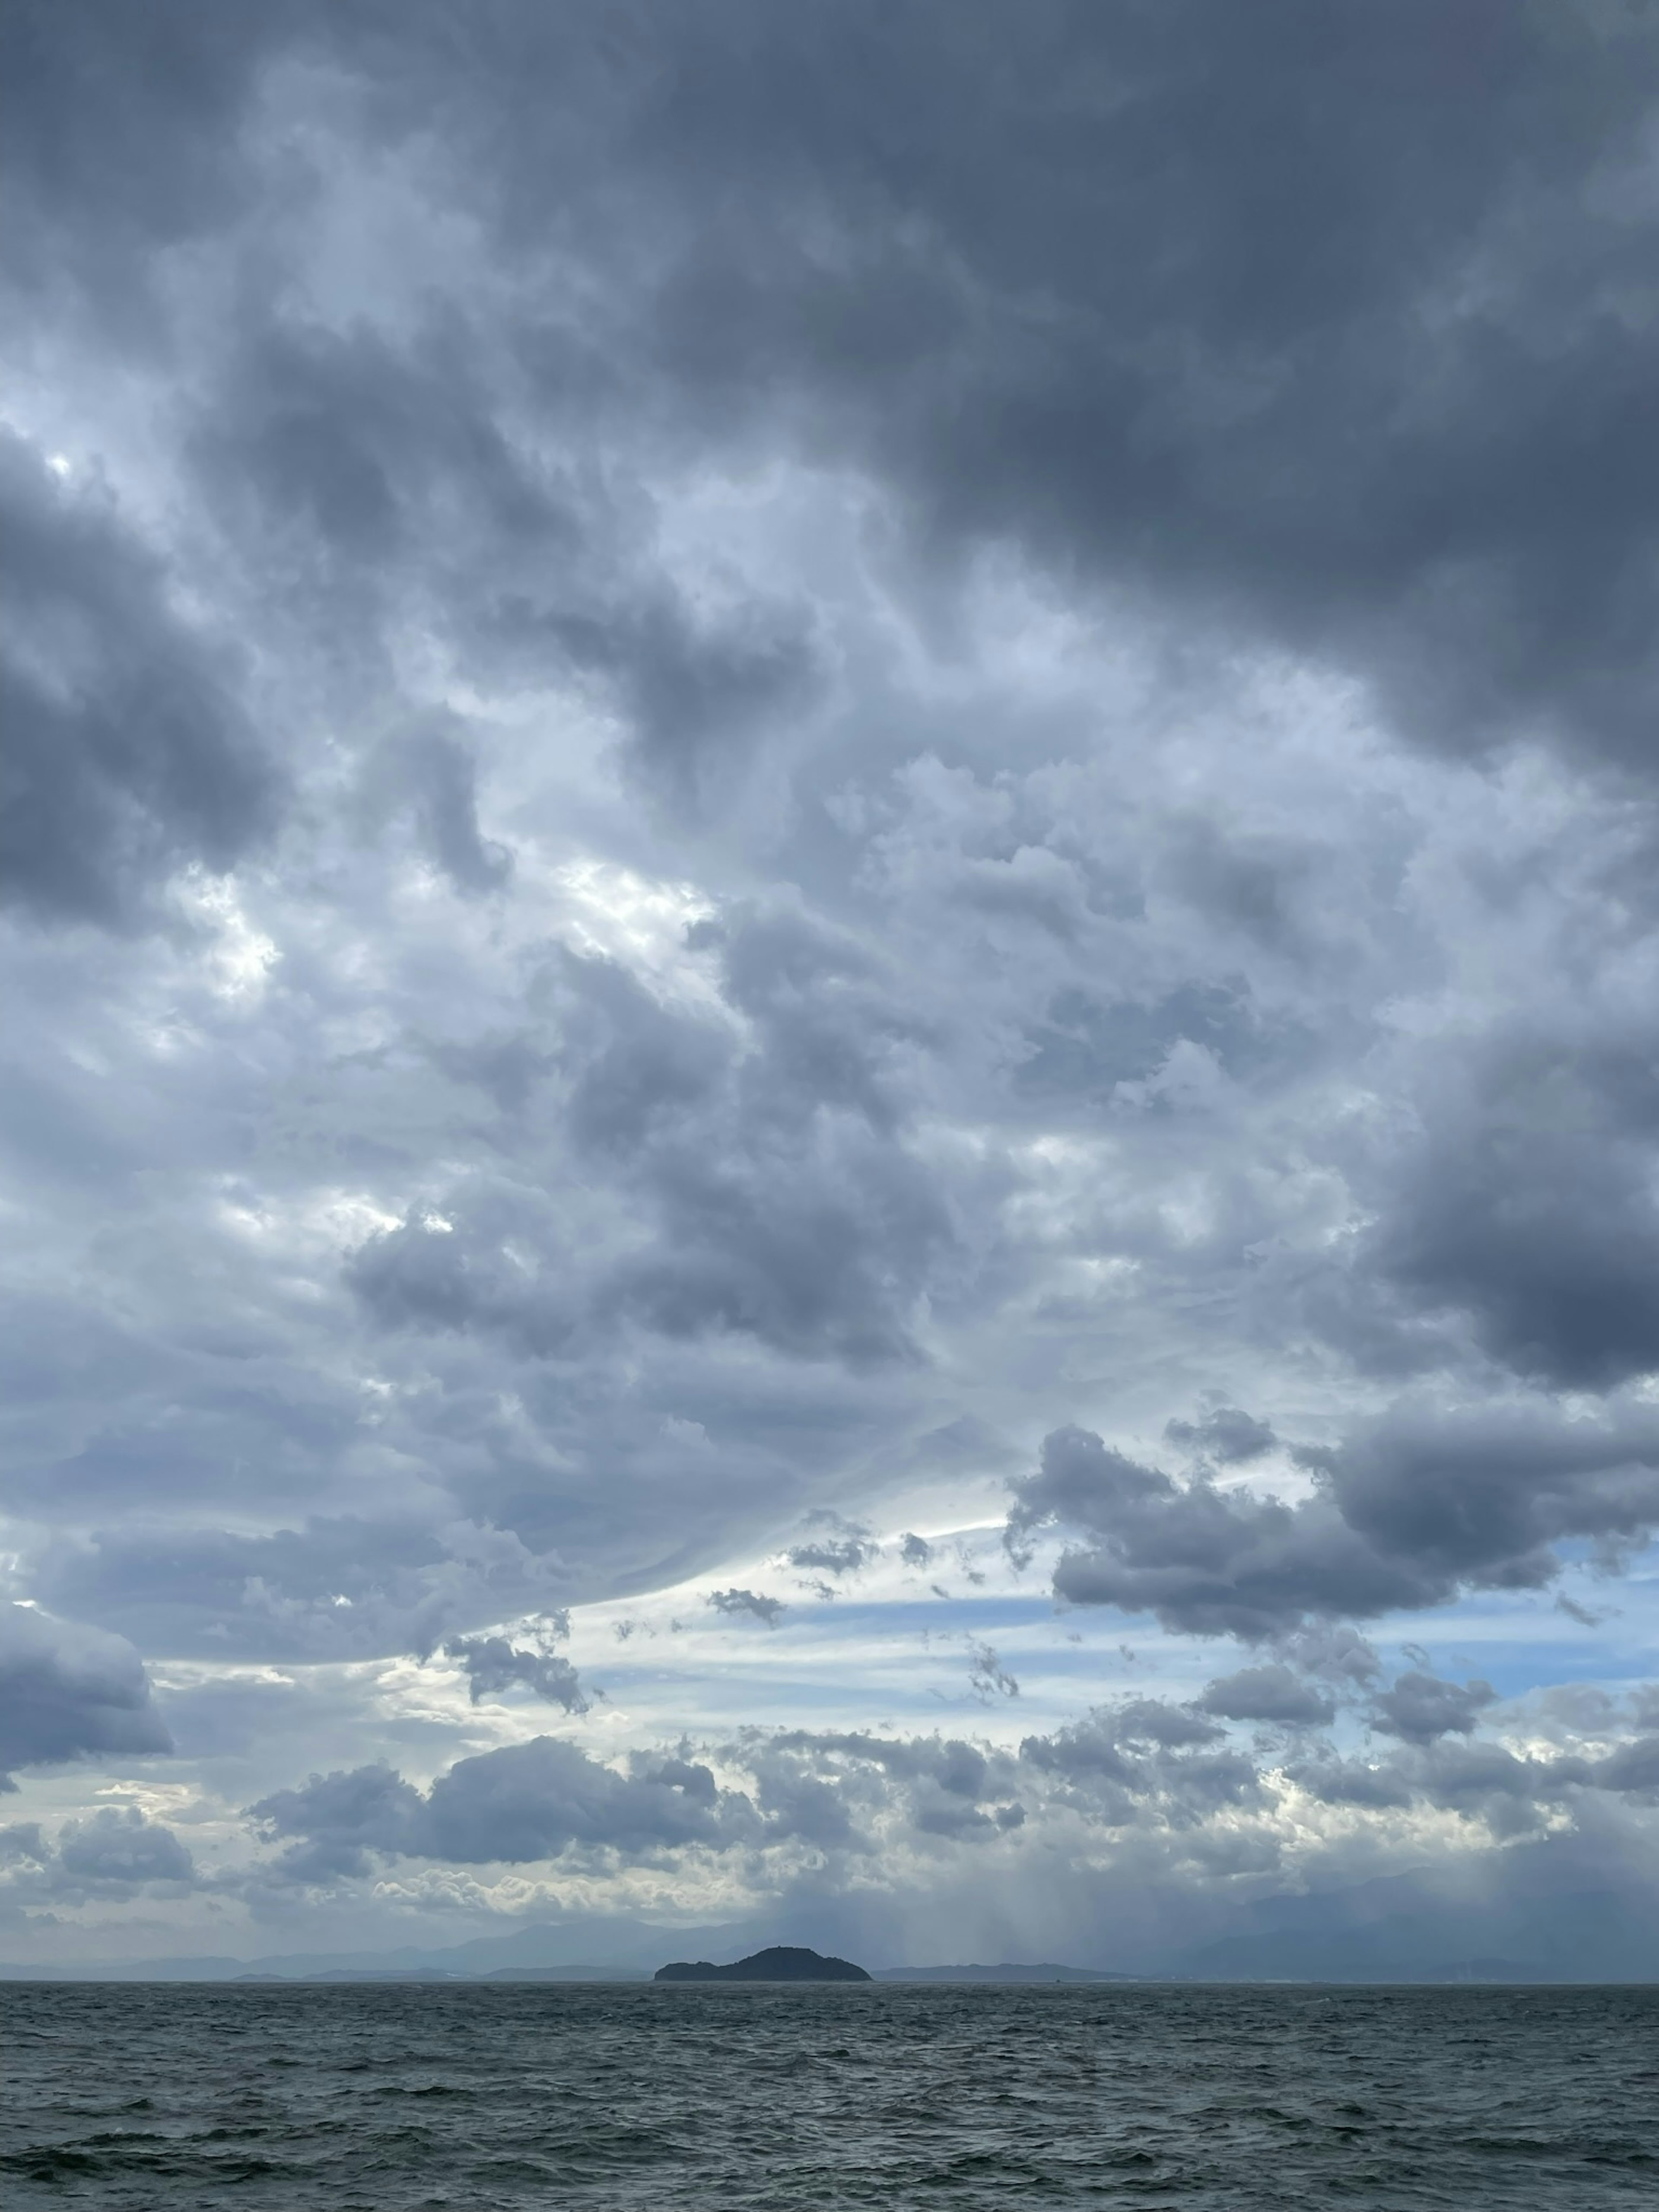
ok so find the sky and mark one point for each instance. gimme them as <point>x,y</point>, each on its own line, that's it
<point>829,873</point>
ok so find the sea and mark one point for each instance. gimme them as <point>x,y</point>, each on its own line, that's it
<point>384,2097</point>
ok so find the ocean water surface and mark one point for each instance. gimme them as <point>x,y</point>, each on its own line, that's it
<point>391,2096</point>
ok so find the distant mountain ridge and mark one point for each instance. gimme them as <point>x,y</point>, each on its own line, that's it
<point>1566,1910</point>
<point>1010,1971</point>
<point>779,1962</point>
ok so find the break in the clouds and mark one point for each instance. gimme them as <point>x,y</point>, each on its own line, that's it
<point>836,822</point>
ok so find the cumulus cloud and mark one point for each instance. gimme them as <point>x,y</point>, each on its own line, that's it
<point>1267,1693</point>
<point>1420,1707</point>
<point>123,1847</point>
<point>526,1801</point>
<point>67,1692</point>
<point>1409,1507</point>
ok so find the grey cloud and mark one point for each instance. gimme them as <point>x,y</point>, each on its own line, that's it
<point>366,460</point>
<point>948,1763</point>
<point>431,1272</point>
<point>127,752</point>
<point>1226,1434</point>
<point>433,772</point>
<point>1267,1693</point>
<point>527,1802</point>
<point>1420,1707</point>
<point>1150,1720</point>
<point>535,1799</point>
<point>914,1551</point>
<point>338,1819</point>
<point>493,1666</point>
<point>1259,313</point>
<point>1150,1774</point>
<point>1036,533</point>
<point>844,1548</point>
<point>1212,1561</point>
<point>987,1677</point>
<point>1529,1208</point>
<point>1443,1763</point>
<point>698,699</point>
<point>1413,1505</point>
<point>801,1805</point>
<point>1235,258</point>
<point>1331,1652</point>
<point>122,1847</point>
<point>67,1691</point>
<point>841,1555</point>
<point>339,1587</point>
<point>1336,1781</point>
<point>784,1205</point>
<point>1484,1492</point>
<point>1144,1760</point>
<point>1633,1767</point>
<point>753,1602</point>
<point>944,1788</point>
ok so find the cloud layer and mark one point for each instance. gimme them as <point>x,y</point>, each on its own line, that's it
<point>780,784</point>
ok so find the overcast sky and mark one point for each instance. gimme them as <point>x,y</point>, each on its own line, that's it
<point>828,857</point>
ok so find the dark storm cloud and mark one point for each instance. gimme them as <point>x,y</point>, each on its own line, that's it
<point>68,1691</point>
<point>1259,309</point>
<point>127,754</point>
<point>879,639</point>
<point>1412,1507</point>
<point>125,133</point>
<point>1528,1206</point>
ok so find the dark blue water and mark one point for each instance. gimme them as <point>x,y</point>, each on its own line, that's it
<point>391,2096</point>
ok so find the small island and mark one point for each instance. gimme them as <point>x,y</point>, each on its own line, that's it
<point>783,1962</point>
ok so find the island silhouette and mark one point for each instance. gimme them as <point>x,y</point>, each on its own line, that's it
<point>782,1962</point>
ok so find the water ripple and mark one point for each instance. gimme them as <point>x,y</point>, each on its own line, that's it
<point>432,2098</point>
